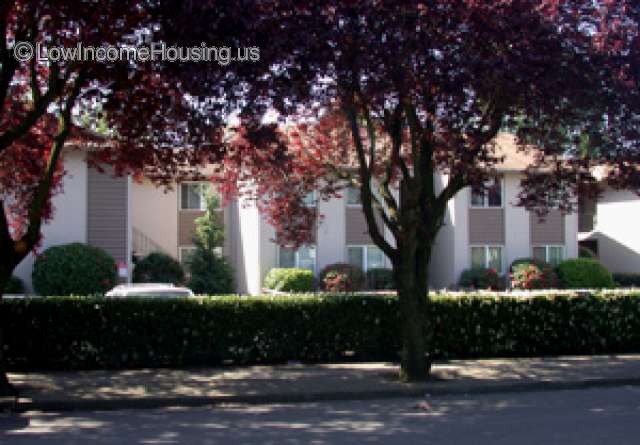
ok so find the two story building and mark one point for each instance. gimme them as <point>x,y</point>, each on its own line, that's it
<point>129,218</point>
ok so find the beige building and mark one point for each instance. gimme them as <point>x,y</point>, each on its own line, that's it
<point>130,218</point>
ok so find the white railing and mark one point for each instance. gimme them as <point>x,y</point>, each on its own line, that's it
<point>142,244</point>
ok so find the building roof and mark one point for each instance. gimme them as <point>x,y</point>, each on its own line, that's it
<point>516,158</point>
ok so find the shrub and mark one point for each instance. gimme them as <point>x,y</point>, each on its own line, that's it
<point>73,269</point>
<point>210,273</point>
<point>627,279</point>
<point>289,280</point>
<point>341,277</point>
<point>579,273</point>
<point>380,279</point>
<point>527,273</point>
<point>158,268</point>
<point>14,286</point>
<point>81,333</point>
<point>480,278</point>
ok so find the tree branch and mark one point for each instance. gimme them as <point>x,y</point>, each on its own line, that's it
<point>366,195</point>
<point>43,189</point>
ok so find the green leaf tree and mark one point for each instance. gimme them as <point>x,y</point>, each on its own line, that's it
<point>211,273</point>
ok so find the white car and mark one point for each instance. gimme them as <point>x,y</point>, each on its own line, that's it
<point>149,290</point>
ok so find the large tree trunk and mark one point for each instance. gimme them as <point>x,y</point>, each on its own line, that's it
<point>6,388</point>
<point>411,279</point>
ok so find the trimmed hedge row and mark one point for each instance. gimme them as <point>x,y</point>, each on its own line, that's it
<point>627,279</point>
<point>84,333</point>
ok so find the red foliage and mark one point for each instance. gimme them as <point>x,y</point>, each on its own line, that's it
<point>441,77</point>
<point>153,128</point>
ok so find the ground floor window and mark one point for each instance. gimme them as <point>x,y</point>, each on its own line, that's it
<point>489,257</point>
<point>366,257</point>
<point>302,258</point>
<point>184,256</point>
<point>550,254</point>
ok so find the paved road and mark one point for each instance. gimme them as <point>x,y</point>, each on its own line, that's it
<point>594,416</point>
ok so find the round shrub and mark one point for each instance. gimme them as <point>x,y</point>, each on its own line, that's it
<point>158,268</point>
<point>289,280</point>
<point>380,279</point>
<point>584,273</point>
<point>14,286</point>
<point>74,269</point>
<point>341,277</point>
<point>481,278</point>
<point>528,273</point>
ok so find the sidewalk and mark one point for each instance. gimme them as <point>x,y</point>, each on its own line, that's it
<point>149,388</point>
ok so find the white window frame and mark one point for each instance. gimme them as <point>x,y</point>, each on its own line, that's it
<point>296,256</point>
<point>365,255</point>
<point>485,197</point>
<point>486,255</point>
<point>203,202</point>
<point>546,251</point>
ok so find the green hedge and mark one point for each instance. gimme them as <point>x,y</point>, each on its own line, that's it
<point>577,273</point>
<point>14,286</point>
<point>289,280</point>
<point>627,279</point>
<point>82,333</point>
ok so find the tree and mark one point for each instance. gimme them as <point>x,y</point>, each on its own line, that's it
<point>152,126</point>
<point>387,95</point>
<point>210,272</point>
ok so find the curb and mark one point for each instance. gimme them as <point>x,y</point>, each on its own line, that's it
<point>262,399</point>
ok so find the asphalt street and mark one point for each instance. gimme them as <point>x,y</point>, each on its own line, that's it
<point>592,416</point>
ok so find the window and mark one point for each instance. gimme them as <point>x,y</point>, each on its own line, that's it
<point>184,256</point>
<point>366,257</point>
<point>489,257</point>
<point>353,196</point>
<point>490,196</point>
<point>193,195</point>
<point>550,254</point>
<point>303,258</point>
<point>310,199</point>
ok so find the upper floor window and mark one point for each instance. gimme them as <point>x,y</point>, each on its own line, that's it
<point>193,195</point>
<point>549,254</point>
<point>366,257</point>
<point>353,196</point>
<point>487,257</point>
<point>310,199</point>
<point>489,196</point>
<point>302,258</point>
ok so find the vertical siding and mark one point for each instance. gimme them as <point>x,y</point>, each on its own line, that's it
<point>107,209</point>
<point>314,234</point>
<point>486,226</point>
<point>549,230</point>
<point>357,231</point>
<point>187,226</point>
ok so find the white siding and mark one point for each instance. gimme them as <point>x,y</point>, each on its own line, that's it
<point>617,231</point>
<point>517,223</point>
<point>331,244</point>
<point>69,223</point>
